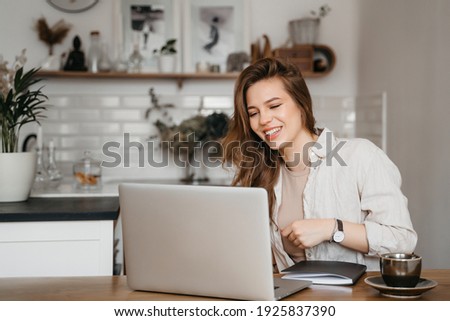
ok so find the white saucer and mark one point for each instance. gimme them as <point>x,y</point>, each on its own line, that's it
<point>400,293</point>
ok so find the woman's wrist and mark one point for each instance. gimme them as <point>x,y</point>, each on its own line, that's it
<point>330,228</point>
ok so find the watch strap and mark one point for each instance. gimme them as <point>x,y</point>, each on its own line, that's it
<point>338,234</point>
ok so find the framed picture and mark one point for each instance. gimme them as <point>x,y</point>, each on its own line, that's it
<point>212,30</point>
<point>146,25</point>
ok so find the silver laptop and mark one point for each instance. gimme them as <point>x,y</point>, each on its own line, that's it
<point>200,240</point>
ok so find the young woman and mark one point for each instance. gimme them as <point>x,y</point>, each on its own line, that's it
<point>330,199</point>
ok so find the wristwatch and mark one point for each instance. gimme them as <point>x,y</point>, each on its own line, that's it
<point>338,235</point>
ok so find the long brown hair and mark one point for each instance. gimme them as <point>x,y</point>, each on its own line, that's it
<point>255,163</point>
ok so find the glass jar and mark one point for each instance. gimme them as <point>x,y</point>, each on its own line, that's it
<point>121,62</point>
<point>95,52</point>
<point>104,63</point>
<point>87,172</point>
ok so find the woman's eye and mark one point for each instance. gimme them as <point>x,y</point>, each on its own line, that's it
<point>275,106</point>
<point>251,114</point>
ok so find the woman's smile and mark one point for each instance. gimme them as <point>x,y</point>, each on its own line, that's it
<point>272,133</point>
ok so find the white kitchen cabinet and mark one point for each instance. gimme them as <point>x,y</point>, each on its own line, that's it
<point>56,248</point>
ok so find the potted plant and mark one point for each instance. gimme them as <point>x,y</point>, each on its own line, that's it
<point>167,56</point>
<point>19,105</point>
<point>193,137</point>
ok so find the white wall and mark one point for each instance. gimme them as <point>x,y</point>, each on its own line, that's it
<point>403,49</point>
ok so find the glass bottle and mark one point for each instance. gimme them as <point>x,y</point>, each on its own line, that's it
<point>135,60</point>
<point>54,173</point>
<point>95,52</point>
<point>41,178</point>
<point>104,63</point>
<point>121,62</point>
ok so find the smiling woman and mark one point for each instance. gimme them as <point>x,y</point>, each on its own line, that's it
<point>329,199</point>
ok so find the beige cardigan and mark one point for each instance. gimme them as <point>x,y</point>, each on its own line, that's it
<point>355,182</point>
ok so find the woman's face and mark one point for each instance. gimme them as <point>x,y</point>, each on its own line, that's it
<point>274,116</point>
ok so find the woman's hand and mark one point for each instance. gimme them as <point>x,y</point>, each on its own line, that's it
<point>309,232</point>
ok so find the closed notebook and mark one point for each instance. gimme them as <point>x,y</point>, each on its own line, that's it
<point>325,272</point>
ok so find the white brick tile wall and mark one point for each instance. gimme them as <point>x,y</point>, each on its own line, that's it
<point>80,115</point>
<point>99,101</point>
<point>63,101</point>
<point>142,128</point>
<point>122,115</point>
<point>78,142</point>
<point>59,128</point>
<point>87,128</point>
<point>135,101</point>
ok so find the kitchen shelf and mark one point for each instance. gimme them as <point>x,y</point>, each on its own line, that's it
<point>178,77</point>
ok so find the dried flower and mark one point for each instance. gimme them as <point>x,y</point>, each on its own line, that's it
<point>52,35</point>
<point>323,11</point>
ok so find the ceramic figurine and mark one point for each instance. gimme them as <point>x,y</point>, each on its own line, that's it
<point>76,59</point>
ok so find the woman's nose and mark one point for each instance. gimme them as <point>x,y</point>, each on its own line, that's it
<point>265,117</point>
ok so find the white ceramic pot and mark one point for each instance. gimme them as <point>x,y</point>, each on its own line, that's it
<point>17,172</point>
<point>167,63</point>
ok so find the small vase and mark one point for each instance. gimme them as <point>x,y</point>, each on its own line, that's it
<point>17,172</point>
<point>52,63</point>
<point>135,60</point>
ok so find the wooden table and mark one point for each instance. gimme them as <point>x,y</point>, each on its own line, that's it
<point>115,289</point>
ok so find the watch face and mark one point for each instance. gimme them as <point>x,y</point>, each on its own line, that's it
<point>338,237</point>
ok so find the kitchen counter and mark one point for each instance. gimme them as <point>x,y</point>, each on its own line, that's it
<point>68,203</point>
<point>110,187</point>
<point>38,209</point>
